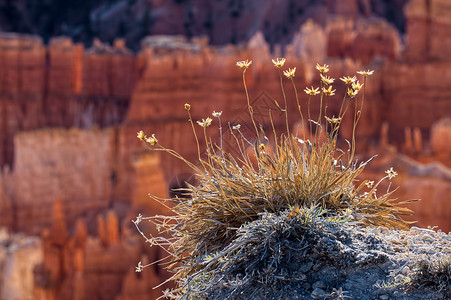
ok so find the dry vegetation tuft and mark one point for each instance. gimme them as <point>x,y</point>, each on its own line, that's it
<point>301,182</point>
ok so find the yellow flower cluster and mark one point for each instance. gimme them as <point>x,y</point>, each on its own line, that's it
<point>244,64</point>
<point>312,91</point>
<point>150,140</point>
<point>278,62</point>
<point>205,122</point>
<point>289,73</point>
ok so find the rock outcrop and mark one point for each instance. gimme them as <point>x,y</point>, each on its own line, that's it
<point>60,85</point>
<point>19,255</point>
<point>74,165</point>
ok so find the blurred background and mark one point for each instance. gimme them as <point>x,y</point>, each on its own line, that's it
<point>79,79</point>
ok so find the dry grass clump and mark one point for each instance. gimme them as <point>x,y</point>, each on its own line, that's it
<point>298,177</point>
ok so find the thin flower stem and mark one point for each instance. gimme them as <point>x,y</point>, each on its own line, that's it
<point>319,115</point>
<point>357,115</point>
<point>309,117</point>
<point>220,136</point>
<point>251,111</point>
<point>299,107</point>
<point>195,135</point>
<point>274,132</point>
<point>285,101</point>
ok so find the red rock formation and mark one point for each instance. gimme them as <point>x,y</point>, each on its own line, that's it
<point>428,35</point>
<point>86,267</point>
<point>73,165</point>
<point>440,137</point>
<point>18,256</point>
<point>60,85</point>
<point>428,182</point>
<point>94,171</point>
<point>362,39</point>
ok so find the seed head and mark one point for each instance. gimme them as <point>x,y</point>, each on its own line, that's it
<point>205,122</point>
<point>139,268</point>
<point>289,73</point>
<point>279,62</point>
<point>244,64</point>
<point>141,135</point>
<point>329,91</point>
<point>366,73</point>
<point>323,68</point>
<point>217,114</point>
<point>369,184</point>
<point>187,106</point>
<point>391,173</point>
<point>236,127</point>
<point>152,140</point>
<point>326,79</point>
<point>348,79</point>
<point>332,120</point>
<point>312,91</point>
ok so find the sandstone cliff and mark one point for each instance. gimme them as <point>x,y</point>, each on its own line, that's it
<point>102,174</point>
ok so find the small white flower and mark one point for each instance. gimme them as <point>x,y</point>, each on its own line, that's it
<point>139,268</point>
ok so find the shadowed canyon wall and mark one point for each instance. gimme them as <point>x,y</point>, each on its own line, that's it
<point>75,174</point>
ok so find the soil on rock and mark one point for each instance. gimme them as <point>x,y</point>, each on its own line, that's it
<point>342,261</point>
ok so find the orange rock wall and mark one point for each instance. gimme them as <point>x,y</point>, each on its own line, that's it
<point>73,165</point>
<point>95,171</point>
<point>59,85</point>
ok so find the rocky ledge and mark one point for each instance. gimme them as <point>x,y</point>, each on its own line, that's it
<point>284,257</point>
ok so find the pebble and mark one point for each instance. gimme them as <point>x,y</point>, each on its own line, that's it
<point>428,238</point>
<point>383,297</point>
<point>306,267</point>
<point>319,284</point>
<point>318,293</point>
<point>431,251</point>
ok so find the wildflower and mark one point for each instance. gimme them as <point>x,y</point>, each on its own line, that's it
<point>217,114</point>
<point>261,147</point>
<point>152,140</point>
<point>290,72</point>
<point>279,62</point>
<point>312,91</point>
<point>333,120</point>
<point>322,69</point>
<point>205,122</point>
<point>187,106</point>
<point>141,135</point>
<point>236,127</point>
<point>369,184</point>
<point>366,73</point>
<point>295,211</point>
<point>327,80</point>
<point>352,93</point>
<point>357,86</point>
<point>139,268</point>
<point>348,79</point>
<point>329,91</point>
<point>391,173</point>
<point>244,64</point>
